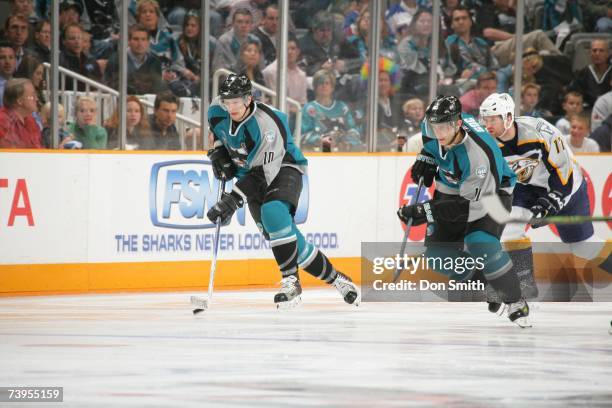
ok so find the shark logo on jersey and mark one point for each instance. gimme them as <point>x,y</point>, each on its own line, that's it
<point>450,177</point>
<point>481,171</point>
<point>239,155</point>
<point>524,167</point>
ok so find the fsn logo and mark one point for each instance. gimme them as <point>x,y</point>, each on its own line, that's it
<point>181,193</point>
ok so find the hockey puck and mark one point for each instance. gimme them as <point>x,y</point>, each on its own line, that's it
<point>196,311</point>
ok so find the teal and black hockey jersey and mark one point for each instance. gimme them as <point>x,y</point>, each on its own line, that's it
<point>472,168</point>
<point>262,142</point>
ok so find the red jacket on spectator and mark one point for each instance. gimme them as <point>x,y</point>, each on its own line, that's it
<point>16,133</point>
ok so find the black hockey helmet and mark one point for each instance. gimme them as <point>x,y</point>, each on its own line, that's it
<point>235,86</point>
<point>443,109</point>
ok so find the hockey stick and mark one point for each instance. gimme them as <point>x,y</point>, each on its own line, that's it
<point>501,215</point>
<point>201,304</point>
<point>398,271</point>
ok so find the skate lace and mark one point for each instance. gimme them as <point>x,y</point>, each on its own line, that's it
<point>342,284</point>
<point>288,284</point>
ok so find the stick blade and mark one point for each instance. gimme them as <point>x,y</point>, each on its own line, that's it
<point>199,304</point>
<point>495,208</point>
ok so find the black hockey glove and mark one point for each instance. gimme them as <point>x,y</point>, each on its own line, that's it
<point>225,208</point>
<point>435,211</point>
<point>425,166</point>
<point>223,167</point>
<point>549,204</point>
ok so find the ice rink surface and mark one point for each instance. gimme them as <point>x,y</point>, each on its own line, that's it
<point>148,350</point>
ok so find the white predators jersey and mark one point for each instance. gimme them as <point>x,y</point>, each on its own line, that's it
<point>540,157</point>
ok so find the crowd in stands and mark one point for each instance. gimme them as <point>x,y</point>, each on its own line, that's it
<point>327,66</point>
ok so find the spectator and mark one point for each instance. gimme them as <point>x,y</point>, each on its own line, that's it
<point>415,57</point>
<point>597,15</point>
<point>486,84</point>
<point>189,47</point>
<point>249,62</point>
<point>177,10</point>
<point>389,115</point>
<point>25,8</point>
<point>530,97</point>
<point>138,129</point>
<point>18,129</point>
<point>64,136</point>
<point>42,41</point>
<point>16,31</point>
<point>328,124</point>
<point>161,42</point>
<point>532,64</point>
<point>572,105</point>
<point>104,21</point>
<point>229,43</point>
<point>446,15</point>
<point>578,139</point>
<point>255,7</point>
<point>601,110</point>
<point>144,68</point>
<point>85,130</point>
<point>297,84</point>
<point>319,51</point>
<point>603,135</point>
<point>267,34</point>
<point>73,58</point>
<point>162,123</point>
<point>472,55</point>
<point>31,68</point>
<point>414,112</point>
<point>402,13</point>
<point>69,13</point>
<point>594,80</point>
<point>8,64</point>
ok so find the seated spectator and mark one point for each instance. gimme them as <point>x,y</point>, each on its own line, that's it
<point>85,130</point>
<point>255,7</point>
<point>471,55</point>
<point>267,34</point>
<point>69,13</point>
<point>8,64</point>
<point>532,64</point>
<point>162,44</point>
<point>228,50</point>
<point>138,129</point>
<point>73,58</point>
<point>297,84</point>
<point>16,30</point>
<point>603,135</point>
<point>319,50</point>
<point>163,123</point>
<point>530,97</point>
<point>414,112</point>
<point>594,80</point>
<point>327,124</point>
<point>248,63</point>
<point>572,105</point>
<point>189,47</point>
<point>601,110</point>
<point>25,8</point>
<point>31,68</point>
<point>18,129</point>
<point>144,68</point>
<point>63,136</point>
<point>402,13</point>
<point>578,139</point>
<point>486,84</point>
<point>389,115</point>
<point>415,57</point>
<point>42,41</point>
<point>596,15</point>
<point>176,11</point>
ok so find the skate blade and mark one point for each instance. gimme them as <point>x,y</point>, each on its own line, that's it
<point>523,323</point>
<point>291,304</point>
<point>501,310</point>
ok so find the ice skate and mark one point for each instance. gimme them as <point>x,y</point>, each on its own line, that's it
<point>496,305</point>
<point>349,291</point>
<point>518,313</point>
<point>289,295</point>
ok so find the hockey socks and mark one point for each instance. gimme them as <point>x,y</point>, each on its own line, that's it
<point>278,223</point>
<point>521,254</point>
<point>320,267</point>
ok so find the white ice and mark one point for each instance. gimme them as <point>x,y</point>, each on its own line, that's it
<point>148,350</point>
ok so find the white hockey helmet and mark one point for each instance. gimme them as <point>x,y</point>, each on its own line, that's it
<point>500,104</point>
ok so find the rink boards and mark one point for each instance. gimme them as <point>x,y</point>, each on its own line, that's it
<point>120,221</point>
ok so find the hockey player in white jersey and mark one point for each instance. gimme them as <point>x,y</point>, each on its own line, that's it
<point>549,182</point>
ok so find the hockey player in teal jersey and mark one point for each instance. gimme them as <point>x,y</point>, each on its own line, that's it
<point>253,143</point>
<point>467,164</point>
